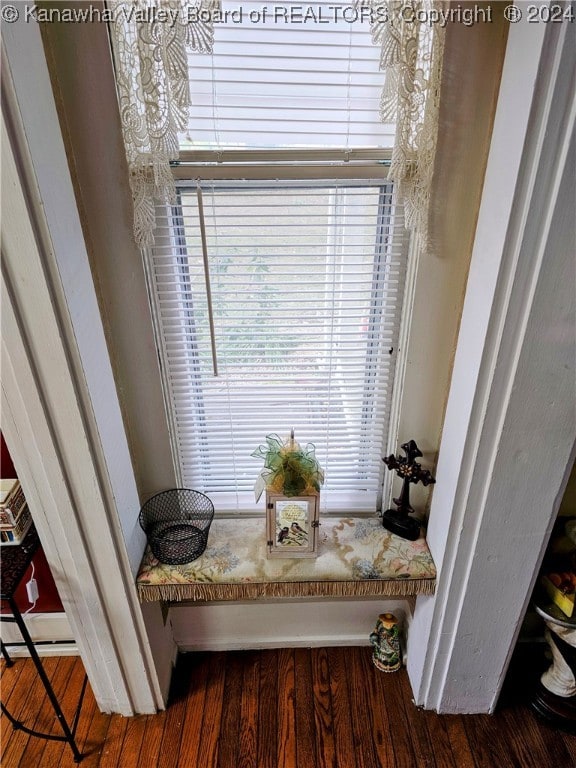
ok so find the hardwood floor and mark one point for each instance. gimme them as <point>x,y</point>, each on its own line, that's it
<point>289,708</point>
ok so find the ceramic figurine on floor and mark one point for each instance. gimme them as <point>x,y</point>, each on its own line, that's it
<point>386,652</point>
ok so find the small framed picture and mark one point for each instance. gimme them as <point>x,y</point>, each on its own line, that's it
<point>291,525</point>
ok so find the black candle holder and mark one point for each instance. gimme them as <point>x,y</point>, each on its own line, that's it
<point>397,520</point>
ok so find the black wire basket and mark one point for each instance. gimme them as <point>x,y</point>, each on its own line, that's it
<point>176,524</point>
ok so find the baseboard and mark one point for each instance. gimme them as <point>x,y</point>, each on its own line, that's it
<point>51,628</point>
<point>50,649</point>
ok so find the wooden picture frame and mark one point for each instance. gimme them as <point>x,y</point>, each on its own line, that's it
<point>291,525</point>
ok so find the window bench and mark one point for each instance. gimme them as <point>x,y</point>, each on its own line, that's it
<point>357,557</point>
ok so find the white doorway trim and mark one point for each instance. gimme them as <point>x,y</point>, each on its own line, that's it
<point>508,439</point>
<point>60,413</point>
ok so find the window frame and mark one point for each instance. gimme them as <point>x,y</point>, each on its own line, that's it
<point>296,166</point>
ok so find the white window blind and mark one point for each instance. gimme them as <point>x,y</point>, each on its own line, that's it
<point>288,75</point>
<point>306,284</point>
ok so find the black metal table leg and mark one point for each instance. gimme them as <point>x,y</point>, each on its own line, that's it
<point>69,733</point>
<point>14,564</point>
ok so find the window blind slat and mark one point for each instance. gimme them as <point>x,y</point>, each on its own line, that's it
<point>306,318</point>
<point>275,80</point>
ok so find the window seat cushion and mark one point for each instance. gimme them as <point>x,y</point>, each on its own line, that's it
<point>357,557</point>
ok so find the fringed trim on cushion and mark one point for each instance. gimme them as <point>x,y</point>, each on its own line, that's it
<point>200,592</point>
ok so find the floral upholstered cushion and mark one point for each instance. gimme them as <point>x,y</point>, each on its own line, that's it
<point>356,556</point>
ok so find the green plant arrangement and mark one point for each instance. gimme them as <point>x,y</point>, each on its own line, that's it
<point>288,469</point>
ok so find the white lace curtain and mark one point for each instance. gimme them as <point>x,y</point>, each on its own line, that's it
<point>412,48</point>
<point>151,40</point>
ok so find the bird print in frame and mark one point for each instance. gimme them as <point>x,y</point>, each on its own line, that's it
<point>291,525</point>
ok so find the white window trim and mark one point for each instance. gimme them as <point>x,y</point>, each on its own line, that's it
<point>297,165</point>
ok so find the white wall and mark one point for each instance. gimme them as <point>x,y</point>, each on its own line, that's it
<point>472,65</point>
<point>82,78</point>
<point>281,624</point>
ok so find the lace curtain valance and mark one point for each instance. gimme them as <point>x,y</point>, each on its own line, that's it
<point>412,48</point>
<point>151,40</point>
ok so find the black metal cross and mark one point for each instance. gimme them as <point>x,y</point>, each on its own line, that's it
<point>397,520</point>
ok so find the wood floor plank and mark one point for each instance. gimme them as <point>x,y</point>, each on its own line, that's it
<point>152,739</point>
<point>208,748</point>
<point>92,730</point>
<point>377,712</point>
<point>23,677</point>
<point>489,742</point>
<point>10,686</point>
<point>133,739</point>
<point>325,745</point>
<point>341,708</point>
<point>192,725</point>
<point>458,740</point>
<point>366,754</point>
<point>29,709</point>
<point>286,744</point>
<point>248,738</point>
<point>400,732</point>
<point>439,739</point>
<point>531,736</point>
<point>529,739</point>
<point>46,721</point>
<point>111,755</point>
<point>304,708</point>
<point>68,681</point>
<point>175,714</point>
<point>569,741</point>
<point>268,710</point>
<point>231,711</point>
<point>416,718</point>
